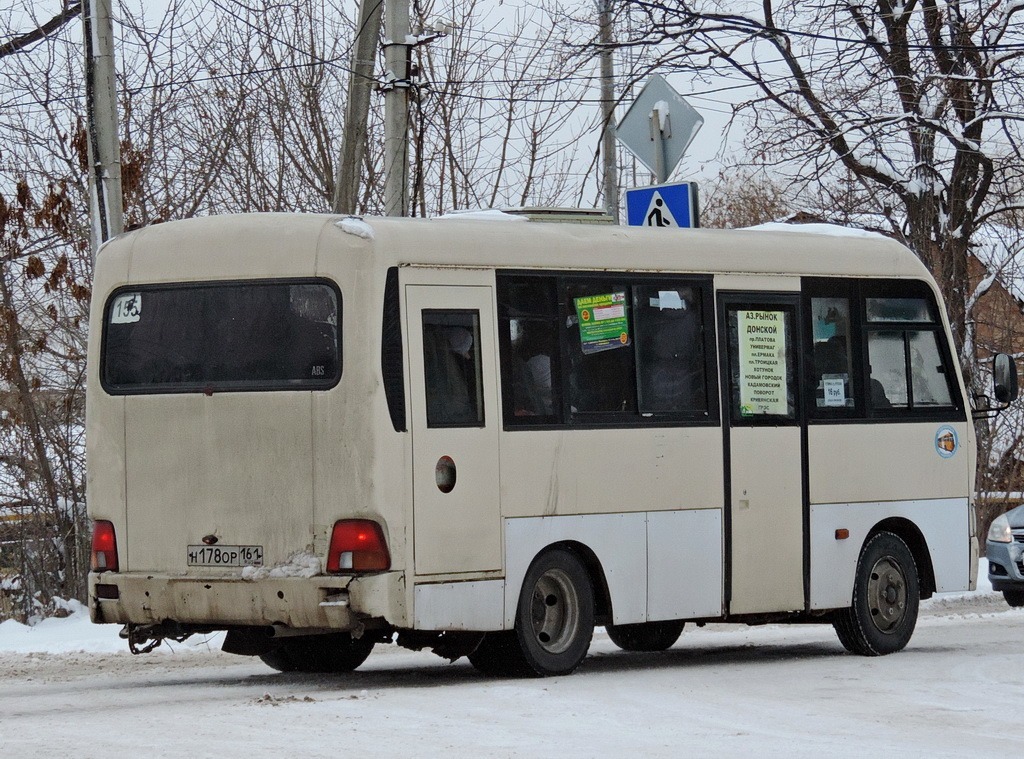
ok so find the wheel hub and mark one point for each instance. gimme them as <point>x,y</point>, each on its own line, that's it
<point>554,611</point>
<point>887,594</point>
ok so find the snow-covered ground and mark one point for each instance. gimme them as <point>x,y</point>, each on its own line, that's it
<point>70,688</point>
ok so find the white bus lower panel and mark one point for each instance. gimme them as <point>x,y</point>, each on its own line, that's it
<point>684,564</point>
<point>943,523</point>
<point>658,565</point>
<point>474,605</point>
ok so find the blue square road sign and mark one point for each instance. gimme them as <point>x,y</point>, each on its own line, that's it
<point>663,205</point>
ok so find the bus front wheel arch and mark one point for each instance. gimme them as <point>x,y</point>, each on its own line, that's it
<point>886,594</point>
<point>910,534</point>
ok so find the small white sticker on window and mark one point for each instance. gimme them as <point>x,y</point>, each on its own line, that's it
<point>670,299</point>
<point>126,308</point>
<point>835,391</point>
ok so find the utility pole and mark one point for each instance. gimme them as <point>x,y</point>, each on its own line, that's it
<point>106,201</point>
<point>396,108</point>
<point>360,85</point>
<point>611,173</point>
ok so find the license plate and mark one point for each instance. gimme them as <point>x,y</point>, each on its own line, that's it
<point>225,556</point>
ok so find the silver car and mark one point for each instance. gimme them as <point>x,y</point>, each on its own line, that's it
<point>1005,551</point>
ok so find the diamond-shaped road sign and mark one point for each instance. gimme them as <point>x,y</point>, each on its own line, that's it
<point>672,131</point>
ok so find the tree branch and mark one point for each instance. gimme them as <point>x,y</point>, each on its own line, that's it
<point>71,11</point>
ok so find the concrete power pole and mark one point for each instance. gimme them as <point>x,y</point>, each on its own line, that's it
<point>106,201</point>
<point>396,108</point>
<point>360,85</point>
<point>611,174</point>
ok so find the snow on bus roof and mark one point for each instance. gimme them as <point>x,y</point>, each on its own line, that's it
<point>483,214</point>
<point>354,225</point>
<point>835,230</point>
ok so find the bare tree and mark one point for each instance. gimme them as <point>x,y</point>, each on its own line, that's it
<point>45,275</point>
<point>904,113</point>
<point>225,107</point>
<point>40,30</point>
<point>915,100</point>
<point>496,116</point>
<point>743,197</point>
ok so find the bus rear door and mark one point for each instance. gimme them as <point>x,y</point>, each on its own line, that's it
<point>456,519</point>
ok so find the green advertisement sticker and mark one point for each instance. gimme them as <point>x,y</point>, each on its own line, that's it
<point>603,323</point>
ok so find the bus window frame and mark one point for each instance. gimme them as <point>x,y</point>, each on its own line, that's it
<point>827,287</point>
<point>769,300</point>
<point>306,385</point>
<point>474,380</point>
<point>859,290</point>
<point>703,287</point>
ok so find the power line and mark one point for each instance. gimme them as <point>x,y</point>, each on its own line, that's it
<point>338,63</point>
<point>757,29</point>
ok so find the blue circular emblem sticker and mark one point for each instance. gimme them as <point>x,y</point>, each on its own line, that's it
<point>946,442</point>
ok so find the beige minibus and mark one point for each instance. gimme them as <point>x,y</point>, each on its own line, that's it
<point>487,436</point>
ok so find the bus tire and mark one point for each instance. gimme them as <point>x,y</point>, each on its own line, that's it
<point>338,652</point>
<point>1014,598</point>
<point>646,636</point>
<point>886,596</point>
<point>554,621</point>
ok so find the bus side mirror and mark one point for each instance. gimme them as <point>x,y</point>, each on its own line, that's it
<point>1004,376</point>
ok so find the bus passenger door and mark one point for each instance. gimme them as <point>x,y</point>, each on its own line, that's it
<point>765,520</point>
<point>453,372</point>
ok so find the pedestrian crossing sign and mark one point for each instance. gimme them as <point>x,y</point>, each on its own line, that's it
<point>664,205</point>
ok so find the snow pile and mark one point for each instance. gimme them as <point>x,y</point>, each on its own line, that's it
<point>834,230</point>
<point>355,226</point>
<point>984,585</point>
<point>299,564</point>
<point>482,214</point>
<point>65,635</point>
<point>76,633</point>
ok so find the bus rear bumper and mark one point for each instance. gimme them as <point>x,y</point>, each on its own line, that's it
<point>319,602</point>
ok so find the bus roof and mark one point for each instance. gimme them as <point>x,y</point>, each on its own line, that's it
<point>505,242</point>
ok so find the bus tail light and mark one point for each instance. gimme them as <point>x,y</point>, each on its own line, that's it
<point>104,547</point>
<point>357,545</point>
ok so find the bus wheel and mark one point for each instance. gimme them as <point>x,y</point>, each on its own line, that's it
<point>1014,598</point>
<point>338,652</point>
<point>647,636</point>
<point>886,596</point>
<point>555,616</point>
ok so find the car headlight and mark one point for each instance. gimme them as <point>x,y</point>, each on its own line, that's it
<point>999,532</point>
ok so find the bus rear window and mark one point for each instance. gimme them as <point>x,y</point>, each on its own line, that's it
<point>257,335</point>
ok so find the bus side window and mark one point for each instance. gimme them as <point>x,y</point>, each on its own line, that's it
<point>533,350</point>
<point>530,353</point>
<point>905,354</point>
<point>928,377</point>
<point>452,368</point>
<point>887,370</point>
<point>670,350</point>
<point>833,357</point>
<point>598,324</point>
